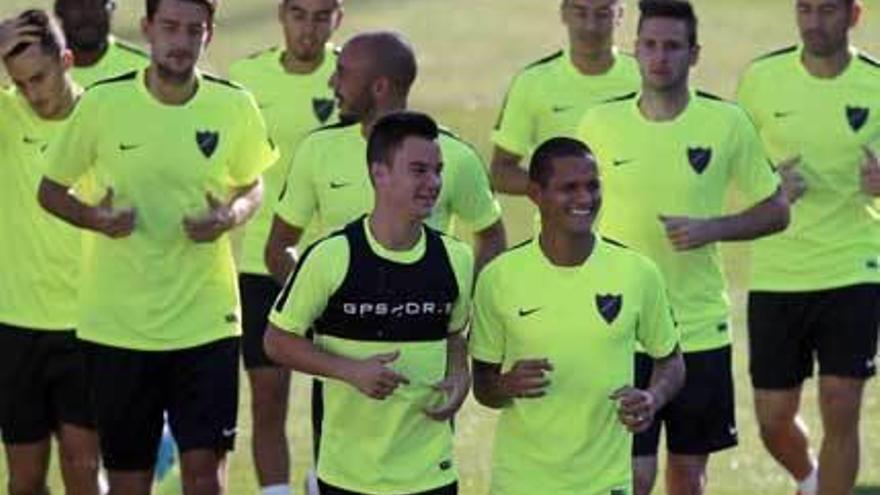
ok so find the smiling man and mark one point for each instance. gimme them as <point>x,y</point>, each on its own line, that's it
<point>558,361</point>
<point>179,154</point>
<point>668,156</point>
<point>815,289</point>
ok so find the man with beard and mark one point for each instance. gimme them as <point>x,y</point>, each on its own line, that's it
<point>96,54</point>
<point>179,154</point>
<point>549,97</point>
<point>668,155</point>
<point>815,289</point>
<point>43,379</point>
<point>290,86</point>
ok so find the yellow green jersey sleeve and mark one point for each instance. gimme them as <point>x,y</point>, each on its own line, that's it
<point>393,447</point>
<point>833,239</point>
<point>587,321</point>
<point>157,289</point>
<point>329,183</point>
<point>40,253</point>
<point>292,105</point>
<point>120,57</point>
<point>549,97</point>
<point>683,167</point>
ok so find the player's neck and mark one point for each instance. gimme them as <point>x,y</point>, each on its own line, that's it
<point>170,92</point>
<point>564,249</point>
<point>392,230</point>
<point>664,105</point>
<point>827,67</point>
<point>88,58</point>
<point>67,98</point>
<point>590,61</point>
<point>293,65</point>
<point>381,110</point>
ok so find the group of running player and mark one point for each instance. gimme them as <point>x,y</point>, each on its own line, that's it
<point>122,304</point>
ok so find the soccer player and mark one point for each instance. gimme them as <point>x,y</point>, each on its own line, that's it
<point>815,288</point>
<point>668,155</point>
<point>549,97</point>
<point>558,361</point>
<point>328,184</point>
<point>387,299</point>
<point>43,384</point>
<point>97,55</point>
<point>290,85</point>
<point>179,154</point>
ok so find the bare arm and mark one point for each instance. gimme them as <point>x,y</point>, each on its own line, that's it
<point>57,199</point>
<point>507,176</point>
<point>222,217</point>
<point>279,259</point>
<point>457,382</point>
<point>370,375</point>
<point>764,218</point>
<point>525,380</point>
<point>489,243</point>
<point>636,407</point>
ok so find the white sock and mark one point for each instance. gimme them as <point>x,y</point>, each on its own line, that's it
<point>810,484</point>
<point>276,490</point>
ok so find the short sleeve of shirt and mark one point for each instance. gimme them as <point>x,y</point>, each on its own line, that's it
<point>513,131</point>
<point>487,332</point>
<point>462,260</point>
<point>752,170</point>
<point>305,295</point>
<point>73,151</point>
<point>256,152</point>
<point>473,200</point>
<point>657,332</point>
<point>745,95</point>
<point>299,201</point>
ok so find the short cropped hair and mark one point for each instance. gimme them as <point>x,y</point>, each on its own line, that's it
<point>674,9</point>
<point>51,38</point>
<point>392,57</point>
<point>391,130</point>
<point>211,5</point>
<point>541,164</point>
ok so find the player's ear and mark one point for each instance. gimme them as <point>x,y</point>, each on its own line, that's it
<point>695,54</point>
<point>534,191</point>
<point>145,29</point>
<point>66,59</point>
<point>855,14</point>
<point>337,19</point>
<point>281,10</point>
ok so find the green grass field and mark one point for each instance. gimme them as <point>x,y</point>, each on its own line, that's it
<point>468,50</point>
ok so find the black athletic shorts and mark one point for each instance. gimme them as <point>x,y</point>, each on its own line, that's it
<point>701,418</point>
<point>43,383</point>
<point>197,387</point>
<point>836,327</point>
<point>258,294</point>
<point>326,489</point>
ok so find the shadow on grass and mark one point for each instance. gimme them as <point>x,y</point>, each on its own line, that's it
<point>867,490</point>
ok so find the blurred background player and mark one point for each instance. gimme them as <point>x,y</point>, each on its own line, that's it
<point>290,86</point>
<point>815,288</point>
<point>43,375</point>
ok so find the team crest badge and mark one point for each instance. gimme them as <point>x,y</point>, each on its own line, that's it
<point>609,306</point>
<point>857,117</point>
<point>207,141</point>
<point>323,108</point>
<point>699,158</point>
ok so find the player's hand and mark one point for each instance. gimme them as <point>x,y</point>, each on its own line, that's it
<point>635,408</point>
<point>209,227</point>
<point>114,223</point>
<point>793,183</point>
<point>374,378</point>
<point>455,387</point>
<point>14,31</point>
<point>687,233</point>
<point>527,379</point>
<point>871,173</point>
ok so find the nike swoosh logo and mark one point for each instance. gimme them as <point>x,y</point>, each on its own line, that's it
<point>782,115</point>
<point>128,147</point>
<point>527,312</point>
<point>263,106</point>
<point>228,432</point>
<point>560,109</point>
<point>30,140</point>
<point>338,185</point>
<point>618,163</point>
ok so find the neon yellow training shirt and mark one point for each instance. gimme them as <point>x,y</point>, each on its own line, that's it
<point>587,321</point>
<point>157,289</point>
<point>40,253</point>
<point>548,98</point>
<point>329,183</point>
<point>293,105</point>
<point>367,445</point>
<point>120,57</point>
<point>682,167</point>
<point>833,239</point>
